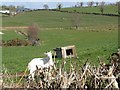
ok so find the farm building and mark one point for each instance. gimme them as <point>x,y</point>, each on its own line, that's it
<point>18,10</point>
<point>66,52</point>
<point>5,11</point>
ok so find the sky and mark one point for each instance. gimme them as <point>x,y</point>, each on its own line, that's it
<point>38,4</point>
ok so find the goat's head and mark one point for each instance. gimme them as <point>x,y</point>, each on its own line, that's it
<point>48,53</point>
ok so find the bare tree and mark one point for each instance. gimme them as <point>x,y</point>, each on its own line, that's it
<point>59,6</point>
<point>78,4</point>
<point>97,3</point>
<point>81,4</point>
<point>118,5</point>
<point>76,20</point>
<point>101,9</point>
<point>33,34</point>
<point>102,3</point>
<point>90,3</point>
<point>102,6</point>
<point>46,6</point>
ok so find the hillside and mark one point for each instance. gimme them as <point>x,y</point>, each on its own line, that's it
<point>108,9</point>
<point>52,19</point>
<point>97,36</point>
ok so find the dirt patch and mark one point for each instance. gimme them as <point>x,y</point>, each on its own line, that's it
<point>12,27</point>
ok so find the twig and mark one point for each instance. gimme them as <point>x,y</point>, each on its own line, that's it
<point>22,76</point>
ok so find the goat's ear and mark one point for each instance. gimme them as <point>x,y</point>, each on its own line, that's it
<point>50,51</point>
<point>45,53</point>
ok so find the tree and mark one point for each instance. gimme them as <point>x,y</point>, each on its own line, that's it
<point>118,5</point>
<point>81,4</point>
<point>102,3</point>
<point>33,34</point>
<point>97,3</point>
<point>75,6</point>
<point>78,4</point>
<point>90,3</point>
<point>46,6</point>
<point>4,7</point>
<point>101,9</point>
<point>76,20</point>
<point>12,8</point>
<point>59,6</point>
<point>20,7</point>
<point>102,6</point>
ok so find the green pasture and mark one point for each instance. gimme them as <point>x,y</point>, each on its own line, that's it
<point>52,19</point>
<point>96,36</point>
<point>108,9</point>
<point>89,45</point>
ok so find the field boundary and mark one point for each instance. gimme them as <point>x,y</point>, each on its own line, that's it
<point>105,14</point>
<point>13,27</point>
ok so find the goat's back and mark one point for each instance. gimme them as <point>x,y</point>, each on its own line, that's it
<point>39,62</point>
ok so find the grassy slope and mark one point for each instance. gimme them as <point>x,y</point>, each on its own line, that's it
<point>88,44</point>
<point>55,19</point>
<point>43,18</point>
<point>97,37</point>
<point>108,9</point>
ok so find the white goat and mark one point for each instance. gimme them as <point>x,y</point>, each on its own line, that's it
<point>1,33</point>
<point>40,63</point>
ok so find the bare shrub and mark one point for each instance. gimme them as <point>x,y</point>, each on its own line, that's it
<point>32,33</point>
<point>102,6</point>
<point>76,20</point>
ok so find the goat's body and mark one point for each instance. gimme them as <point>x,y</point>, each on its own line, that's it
<point>32,66</point>
<point>39,63</point>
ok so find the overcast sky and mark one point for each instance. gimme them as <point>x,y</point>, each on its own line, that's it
<point>33,4</point>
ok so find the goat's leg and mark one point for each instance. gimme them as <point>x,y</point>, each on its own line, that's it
<point>33,76</point>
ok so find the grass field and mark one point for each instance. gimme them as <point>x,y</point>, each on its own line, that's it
<point>49,19</point>
<point>89,45</point>
<point>97,36</point>
<point>108,9</point>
